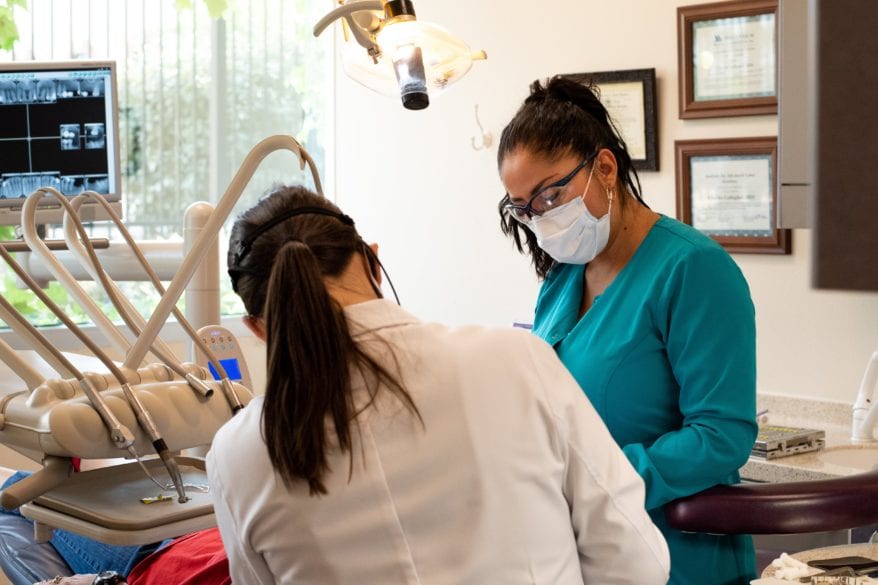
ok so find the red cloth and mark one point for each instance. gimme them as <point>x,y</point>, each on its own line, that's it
<point>194,559</point>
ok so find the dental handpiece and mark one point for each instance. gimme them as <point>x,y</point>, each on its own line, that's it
<point>229,391</point>
<point>134,402</point>
<point>119,433</point>
<point>85,252</point>
<point>158,443</point>
<point>226,384</point>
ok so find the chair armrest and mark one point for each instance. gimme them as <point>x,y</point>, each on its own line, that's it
<point>779,508</point>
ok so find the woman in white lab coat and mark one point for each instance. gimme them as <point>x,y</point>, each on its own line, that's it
<point>390,451</point>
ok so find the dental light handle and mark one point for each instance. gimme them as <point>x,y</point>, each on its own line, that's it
<point>408,64</point>
<point>158,443</point>
<point>865,410</point>
<point>209,233</point>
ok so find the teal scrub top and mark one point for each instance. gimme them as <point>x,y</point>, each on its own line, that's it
<point>667,356</point>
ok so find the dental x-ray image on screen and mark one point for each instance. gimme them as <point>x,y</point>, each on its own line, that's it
<point>58,128</point>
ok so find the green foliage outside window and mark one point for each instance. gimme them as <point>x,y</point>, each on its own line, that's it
<point>8,30</point>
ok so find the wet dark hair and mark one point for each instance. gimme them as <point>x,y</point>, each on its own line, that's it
<point>562,117</point>
<point>280,250</point>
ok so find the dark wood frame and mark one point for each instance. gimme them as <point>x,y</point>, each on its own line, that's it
<point>781,240</point>
<point>650,124</point>
<point>686,17</point>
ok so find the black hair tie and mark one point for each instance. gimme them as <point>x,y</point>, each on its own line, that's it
<point>243,247</point>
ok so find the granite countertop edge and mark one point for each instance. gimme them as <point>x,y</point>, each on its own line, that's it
<point>834,418</point>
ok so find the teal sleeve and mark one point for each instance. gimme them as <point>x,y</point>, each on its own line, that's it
<point>707,318</point>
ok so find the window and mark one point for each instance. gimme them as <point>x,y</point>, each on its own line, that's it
<point>195,94</point>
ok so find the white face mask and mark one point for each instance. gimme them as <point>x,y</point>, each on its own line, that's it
<point>570,233</point>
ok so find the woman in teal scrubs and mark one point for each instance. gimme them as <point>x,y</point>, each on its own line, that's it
<point>653,318</point>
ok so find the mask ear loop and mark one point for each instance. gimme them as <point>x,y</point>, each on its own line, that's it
<point>373,258</point>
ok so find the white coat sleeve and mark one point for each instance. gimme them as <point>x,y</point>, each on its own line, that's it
<point>246,567</point>
<point>618,543</point>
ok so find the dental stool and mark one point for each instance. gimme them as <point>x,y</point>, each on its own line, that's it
<point>21,559</point>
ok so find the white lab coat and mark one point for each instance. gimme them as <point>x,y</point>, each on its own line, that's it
<point>512,479</point>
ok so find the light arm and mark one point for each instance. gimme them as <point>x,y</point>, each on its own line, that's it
<point>364,37</point>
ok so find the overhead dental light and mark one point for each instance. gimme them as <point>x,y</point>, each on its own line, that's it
<point>404,56</point>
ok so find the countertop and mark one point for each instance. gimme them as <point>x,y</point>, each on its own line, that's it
<point>832,417</point>
<point>867,550</point>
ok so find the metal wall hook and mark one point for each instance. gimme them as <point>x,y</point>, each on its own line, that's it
<point>486,139</point>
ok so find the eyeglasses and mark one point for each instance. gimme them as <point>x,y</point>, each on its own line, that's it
<point>544,199</point>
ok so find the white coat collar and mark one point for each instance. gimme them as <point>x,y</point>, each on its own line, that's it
<point>374,315</point>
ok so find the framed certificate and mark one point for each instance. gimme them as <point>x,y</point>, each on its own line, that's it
<point>629,97</point>
<point>727,55</point>
<point>727,190</point>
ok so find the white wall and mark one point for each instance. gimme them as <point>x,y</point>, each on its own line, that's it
<point>415,185</point>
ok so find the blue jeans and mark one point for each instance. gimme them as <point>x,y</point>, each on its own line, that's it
<point>85,555</point>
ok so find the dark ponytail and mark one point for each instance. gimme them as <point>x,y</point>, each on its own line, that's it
<point>308,347</point>
<point>280,252</point>
<point>561,117</point>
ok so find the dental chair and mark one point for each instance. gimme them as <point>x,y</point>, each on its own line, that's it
<point>68,408</point>
<point>24,561</point>
<point>780,508</point>
<point>85,414</point>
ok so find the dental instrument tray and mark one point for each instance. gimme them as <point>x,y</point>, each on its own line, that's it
<point>773,441</point>
<point>110,504</point>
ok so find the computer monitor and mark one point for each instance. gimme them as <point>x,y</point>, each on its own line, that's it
<point>59,127</point>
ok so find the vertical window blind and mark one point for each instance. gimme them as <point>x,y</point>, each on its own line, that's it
<point>195,93</point>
